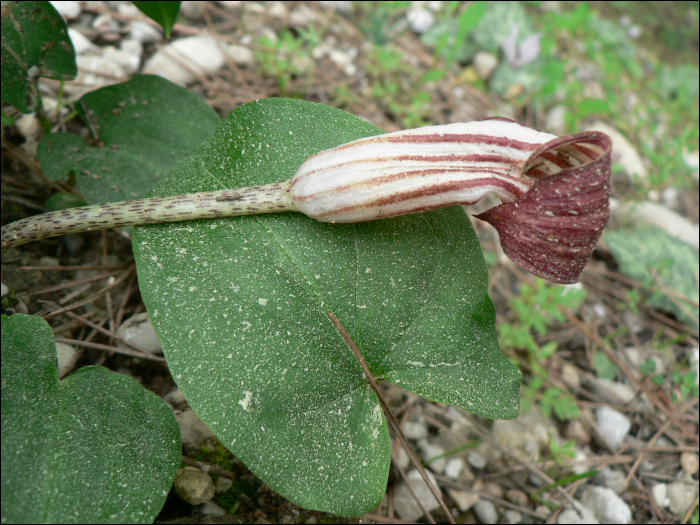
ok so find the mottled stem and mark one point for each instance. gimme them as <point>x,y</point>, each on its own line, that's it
<point>269,198</point>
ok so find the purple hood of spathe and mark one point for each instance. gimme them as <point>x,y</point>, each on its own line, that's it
<point>552,229</point>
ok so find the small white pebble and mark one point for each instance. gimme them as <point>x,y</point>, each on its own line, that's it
<point>415,430</point>
<point>476,460</point>
<point>689,462</point>
<point>454,468</point>
<point>658,492</point>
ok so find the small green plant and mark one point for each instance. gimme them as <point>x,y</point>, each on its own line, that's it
<point>667,159</point>
<point>604,366</point>
<point>449,37</point>
<point>561,452</point>
<point>381,22</point>
<point>287,57</point>
<point>97,446</point>
<point>683,381</point>
<point>534,310</point>
<point>632,303</point>
<point>648,367</point>
<point>396,88</point>
<point>10,299</point>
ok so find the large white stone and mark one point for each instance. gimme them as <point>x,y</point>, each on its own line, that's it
<point>613,425</point>
<point>65,354</point>
<point>614,392</point>
<point>184,59</point>
<point>81,43</point>
<point>193,486</point>
<point>415,430</point>
<point>607,506</point>
<point>69,10</point>
<point>658,215</point>
<point>241,55</point>
<point>570,516</point>
<point>464,499</point>
<point>454,468</point>
<point>404,502</point>
<point>659,493</point>
<point>486,511</point>
<point>194,432</point>
<point>144,32</point>
<point>94,71</point>
<point>139,330</point>
<point>430,450</point>
<point>623,151</point>
<point>420,19</point>
<point>681,495</point>
<point>485,64</point>
<point>129,62</point>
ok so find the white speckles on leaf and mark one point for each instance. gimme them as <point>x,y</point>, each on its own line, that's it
<point>245,402</point>
<point>95,428</point>
<point>310,397</point>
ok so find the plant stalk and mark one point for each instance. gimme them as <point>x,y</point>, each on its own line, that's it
<point>555,190</point>
<point>268,198</point>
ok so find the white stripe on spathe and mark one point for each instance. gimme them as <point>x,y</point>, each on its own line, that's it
<point>466,160</point>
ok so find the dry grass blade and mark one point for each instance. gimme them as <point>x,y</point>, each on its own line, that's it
<point>71,284</point>
<point>208,467</point>
<point>116,350</point>
<point>71,268</point>
<point>392,420</point>
<point>403,475</point>
<point>642,385</point>
<point>92,297</point>
<point>145,353</point>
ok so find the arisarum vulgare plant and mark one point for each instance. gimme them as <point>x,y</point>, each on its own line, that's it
<point>555,190</point>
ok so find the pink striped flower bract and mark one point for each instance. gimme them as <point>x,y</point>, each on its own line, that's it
<point>555,190</point>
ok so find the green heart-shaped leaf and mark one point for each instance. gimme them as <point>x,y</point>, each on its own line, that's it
<point>35,43</point>
<point>144,126</point>
<point>96,447</point>
<point>240,307</point>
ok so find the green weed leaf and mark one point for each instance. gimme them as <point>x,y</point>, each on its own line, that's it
<point>95,447</point>
<point>7,120</point>
<point>63,200</point>
<point>648,367</point>
<point>240,307</point>
<point>562,403</point>
<point>165,13</point>
<point>604,366</point>
<point>144,127</point>
<point>35,44</point>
